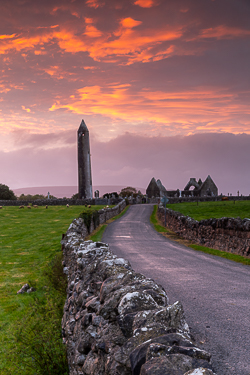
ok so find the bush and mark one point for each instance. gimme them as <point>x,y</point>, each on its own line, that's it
<point>6,193</point>
<point>96,219</point>
<point>87,216</point>
<point>128,191</point>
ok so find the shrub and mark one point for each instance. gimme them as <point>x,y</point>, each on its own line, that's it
<point>96,219</point>
<point>6,193</point>
<point>87,216</point>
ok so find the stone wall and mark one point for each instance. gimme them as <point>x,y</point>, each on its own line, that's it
<point>117,321</point>
<point>107,213</point>
<point>60,202</point>
<point>227,234</point>
<point>172,200</point>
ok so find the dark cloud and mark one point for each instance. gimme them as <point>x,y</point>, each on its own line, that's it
<point>23,138</point>
<point>134,160</point>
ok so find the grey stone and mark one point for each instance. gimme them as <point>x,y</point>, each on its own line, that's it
<point>139,354</point>
<point>24,289</point>
<point>200,371</point>
<point>174,364</point>
<point>136,301</point>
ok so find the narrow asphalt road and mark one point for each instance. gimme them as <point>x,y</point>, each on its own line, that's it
<point>215,292</point>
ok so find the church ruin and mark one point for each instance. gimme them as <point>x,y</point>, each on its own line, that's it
<point>84,164</point>
<point>193,188</point>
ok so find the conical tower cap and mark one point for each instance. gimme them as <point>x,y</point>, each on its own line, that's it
<point>83,127</point>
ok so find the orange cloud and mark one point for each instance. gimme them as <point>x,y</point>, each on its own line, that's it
<point>37,52</point>
<point>145,3</point>
<point>129,23</point>
<point>132,44</point>
<point>92,32</point>
<point>213,108</point>
<point>26,109</point>
<point>224,32</point>
<point>69,42</point>
<point>65,8</point>
<point>57,73</point>
<point>4,89</point>
<point>22,43</point>
<point>7,36</point>
<point>93,3</point>
<point>88,20</point>
<point>125,45</point>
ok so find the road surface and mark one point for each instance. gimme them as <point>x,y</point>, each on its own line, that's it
<point>214,292</point>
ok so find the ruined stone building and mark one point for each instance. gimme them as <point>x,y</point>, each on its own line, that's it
<point>84,164</point>
<point>156,189</point>
<point>201,189</point>
<point>193,188</point>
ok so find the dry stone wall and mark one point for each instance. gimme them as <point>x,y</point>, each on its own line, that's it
<point>61,202</point>
<point>227,234</point>
<point>117,321</point>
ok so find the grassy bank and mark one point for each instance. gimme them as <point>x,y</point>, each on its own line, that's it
<point>29,242</point>
<point>207,210</point>
<point>97,234</point>
<point>174,237</point>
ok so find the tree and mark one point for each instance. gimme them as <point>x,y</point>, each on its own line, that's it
<point>6,193</point>
<point>128,191</point>
<point>109,195</point>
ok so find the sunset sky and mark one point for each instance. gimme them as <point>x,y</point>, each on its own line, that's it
<point>163,86</point>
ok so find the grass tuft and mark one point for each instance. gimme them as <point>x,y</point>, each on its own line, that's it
<point>153,220</point>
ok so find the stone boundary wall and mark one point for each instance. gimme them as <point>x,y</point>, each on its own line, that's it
<point>117,321</point>
<point>60,202</point>
<point>207,199</point>
<point>107,213</point>
<point>157,200</point>
<point>227,234</point>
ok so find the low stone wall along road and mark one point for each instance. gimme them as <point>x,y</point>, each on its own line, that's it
<point>213,291</point>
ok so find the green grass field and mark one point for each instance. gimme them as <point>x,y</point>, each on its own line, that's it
<point>29,240</point>
<point>207,210</point>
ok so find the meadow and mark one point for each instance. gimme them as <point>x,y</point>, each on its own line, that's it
<point>207,210</point>
<point>29,245</point>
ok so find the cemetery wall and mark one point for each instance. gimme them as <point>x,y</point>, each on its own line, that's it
<point>117,321</point>
<point>156,200</point>
<point>207,199</point>
<point>61,202</point>
<point>227,234</point>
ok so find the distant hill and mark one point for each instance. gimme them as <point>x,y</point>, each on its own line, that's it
<point>68,191</point>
